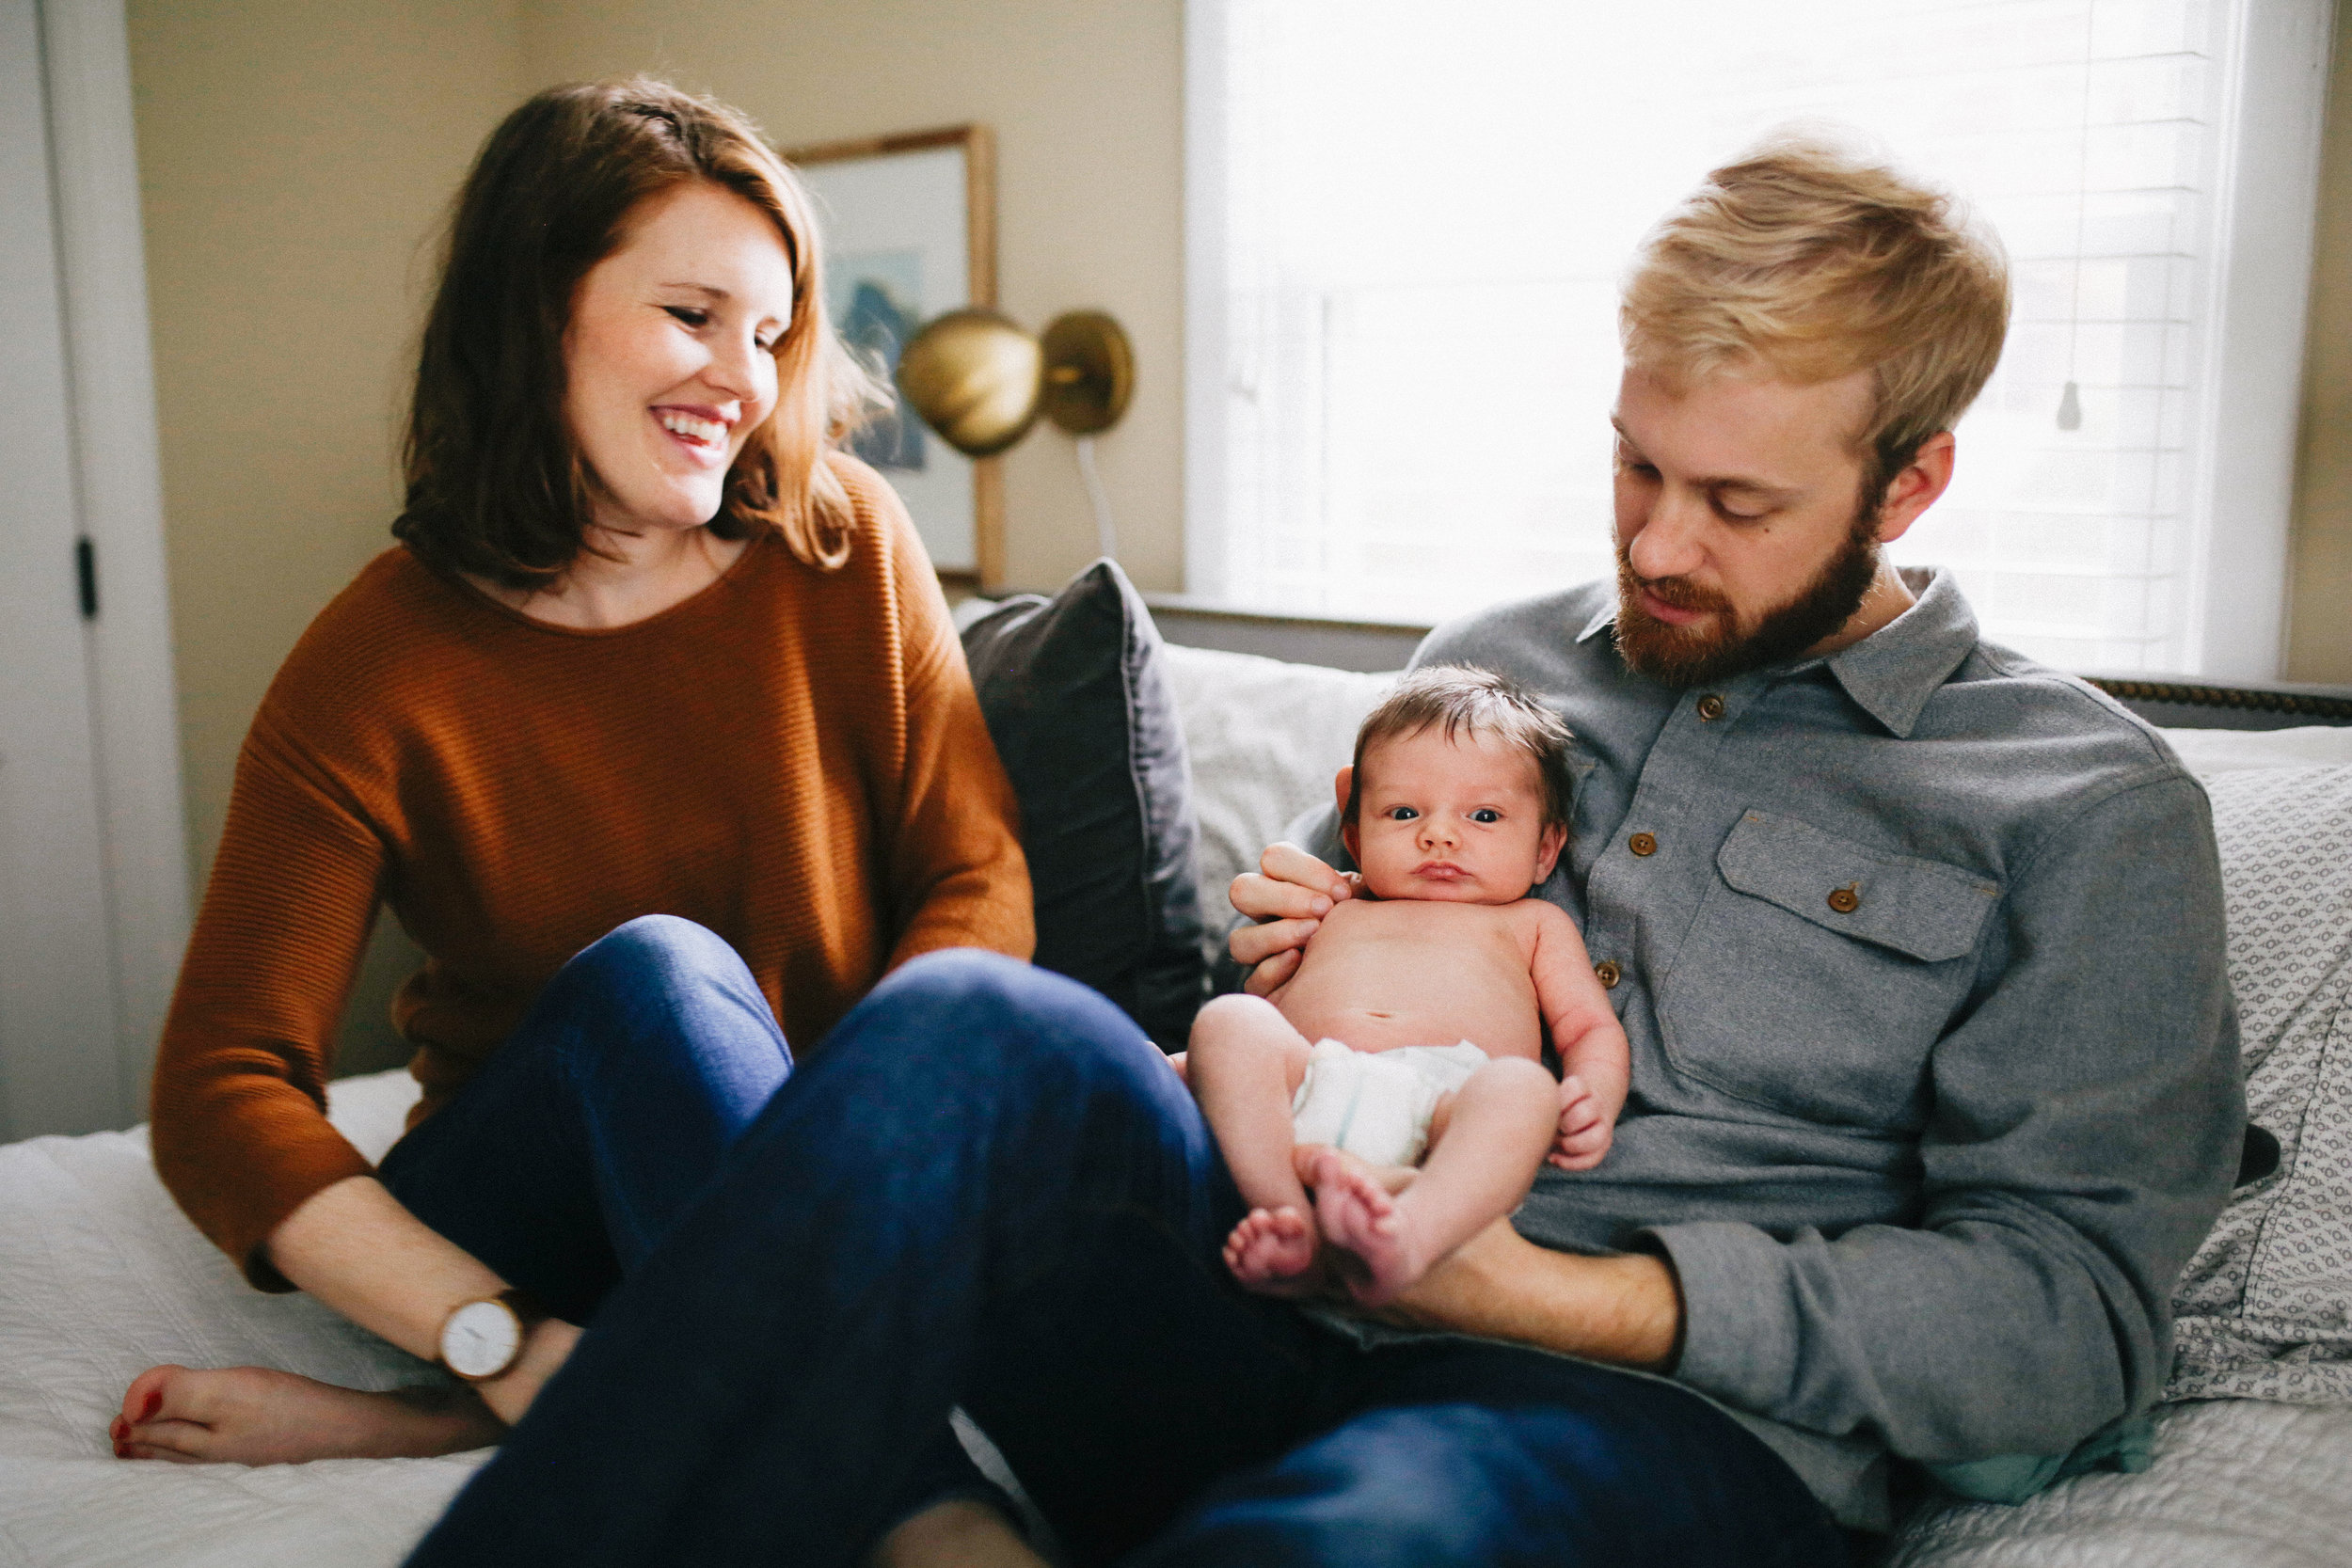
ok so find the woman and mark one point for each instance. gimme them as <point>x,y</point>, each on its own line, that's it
<point>651,647</point>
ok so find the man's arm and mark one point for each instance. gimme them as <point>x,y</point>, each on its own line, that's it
<point>1625,1309</point>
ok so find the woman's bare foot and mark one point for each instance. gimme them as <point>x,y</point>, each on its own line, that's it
<point>1367,1233</point>
<point>258,1416</point>
<point>1272,1251</point>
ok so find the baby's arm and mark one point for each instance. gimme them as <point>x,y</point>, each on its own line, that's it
<point>1595,1060</point>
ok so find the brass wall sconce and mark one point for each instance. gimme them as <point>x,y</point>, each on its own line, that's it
<point>981,382</point>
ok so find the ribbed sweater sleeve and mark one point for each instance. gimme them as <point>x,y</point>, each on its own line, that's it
<point>245,1050</point>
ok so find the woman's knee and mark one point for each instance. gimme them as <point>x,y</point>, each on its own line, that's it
<point>650,950</point>
<point>971,995</point>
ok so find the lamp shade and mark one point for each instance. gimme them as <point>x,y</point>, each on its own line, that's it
<point>974,377</point>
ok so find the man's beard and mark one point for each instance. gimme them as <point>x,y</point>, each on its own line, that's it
<point>1715,649</point>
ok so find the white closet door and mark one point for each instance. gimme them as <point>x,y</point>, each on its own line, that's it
<point>59,1066</point>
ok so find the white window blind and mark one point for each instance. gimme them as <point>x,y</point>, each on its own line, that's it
<point>1408,223</point>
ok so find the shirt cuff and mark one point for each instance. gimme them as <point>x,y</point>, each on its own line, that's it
<point>1739,1333</point>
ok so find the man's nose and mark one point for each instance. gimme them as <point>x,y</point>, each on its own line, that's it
<point>1671,542</point>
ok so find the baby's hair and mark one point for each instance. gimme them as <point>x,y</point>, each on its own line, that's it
<point>1464,697</point>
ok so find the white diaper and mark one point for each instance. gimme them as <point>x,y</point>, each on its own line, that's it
<point>1376,1104</point>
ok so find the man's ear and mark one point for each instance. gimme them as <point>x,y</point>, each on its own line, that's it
<point>1925,478</point>
<point>1547,851</point>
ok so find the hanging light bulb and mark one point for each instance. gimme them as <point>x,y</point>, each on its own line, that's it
<point>2070,409</point>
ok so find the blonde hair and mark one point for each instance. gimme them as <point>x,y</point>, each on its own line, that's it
<point>496,484</point>
<point>1811,260</point>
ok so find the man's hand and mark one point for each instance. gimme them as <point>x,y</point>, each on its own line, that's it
<point>1625,1309</point>
<point>1288,895</point>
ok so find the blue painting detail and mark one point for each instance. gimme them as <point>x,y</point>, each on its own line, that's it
<point>876,303</point>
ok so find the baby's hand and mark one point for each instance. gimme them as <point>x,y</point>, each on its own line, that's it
<point>1584,1133</point>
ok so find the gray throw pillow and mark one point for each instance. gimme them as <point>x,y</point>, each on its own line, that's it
<point>1078,705</point>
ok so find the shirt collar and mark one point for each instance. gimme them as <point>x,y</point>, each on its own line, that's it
<point>1892,672</point>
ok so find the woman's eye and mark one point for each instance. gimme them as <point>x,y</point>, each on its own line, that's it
<point>691,315</point>
<point>1486,813</point>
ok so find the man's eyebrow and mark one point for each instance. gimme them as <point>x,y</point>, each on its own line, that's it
<point>1725,481</point>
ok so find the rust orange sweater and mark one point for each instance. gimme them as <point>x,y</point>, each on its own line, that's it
<point>793,758</point>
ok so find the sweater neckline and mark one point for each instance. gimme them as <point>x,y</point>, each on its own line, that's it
<point>737,570</point>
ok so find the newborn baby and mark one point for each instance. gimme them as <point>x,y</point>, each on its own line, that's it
<point>1456,806</point>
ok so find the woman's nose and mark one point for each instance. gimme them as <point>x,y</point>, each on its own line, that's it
<point>734,369</point>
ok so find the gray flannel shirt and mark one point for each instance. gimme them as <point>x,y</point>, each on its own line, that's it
<point>1936,1083</point>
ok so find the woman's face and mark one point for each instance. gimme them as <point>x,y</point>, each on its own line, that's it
<point>670,355</point>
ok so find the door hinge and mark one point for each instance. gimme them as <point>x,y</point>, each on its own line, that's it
<point>86,573</point>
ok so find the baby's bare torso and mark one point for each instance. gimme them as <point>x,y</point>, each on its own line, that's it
<point>1377,974</point>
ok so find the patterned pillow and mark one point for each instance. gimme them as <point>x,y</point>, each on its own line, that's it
<point>2265,1306</point>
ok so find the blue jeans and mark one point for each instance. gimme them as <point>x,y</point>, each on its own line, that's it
<point>987,1188</point>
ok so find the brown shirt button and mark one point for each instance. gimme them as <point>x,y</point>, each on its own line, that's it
<point>1608,973</point>
<point>1641,844</point>
<point>1711,707</point>
<point>1846,899</point>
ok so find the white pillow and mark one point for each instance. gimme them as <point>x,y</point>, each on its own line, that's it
<point>2209,752</point>
<point>2265,1309</point>
<point>1266,737</point>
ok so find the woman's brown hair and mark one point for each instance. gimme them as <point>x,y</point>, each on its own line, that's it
<point>496,486</point>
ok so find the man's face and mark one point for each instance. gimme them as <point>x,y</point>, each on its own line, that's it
<point>1742,538</point>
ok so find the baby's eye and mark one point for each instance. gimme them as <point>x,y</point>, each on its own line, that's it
<point>1486,813</point>
<point>1400,814</point>
<point>694,316</point>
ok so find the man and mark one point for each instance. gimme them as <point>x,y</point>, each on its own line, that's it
<point>1920,946</point>
<point>1935,1083</point>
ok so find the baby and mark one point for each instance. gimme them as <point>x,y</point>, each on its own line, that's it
<point>1456,806</point>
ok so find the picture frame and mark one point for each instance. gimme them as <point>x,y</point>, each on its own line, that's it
<point>909,222</point>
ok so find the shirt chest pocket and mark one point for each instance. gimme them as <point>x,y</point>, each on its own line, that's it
<point>1817,973</point>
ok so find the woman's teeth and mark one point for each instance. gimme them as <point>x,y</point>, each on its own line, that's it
<point>707,431</point>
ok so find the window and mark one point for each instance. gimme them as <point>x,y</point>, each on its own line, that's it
<point>1406,222</point>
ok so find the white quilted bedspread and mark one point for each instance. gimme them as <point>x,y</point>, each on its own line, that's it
<point>2236,1483</point>
<point>101,1277</point>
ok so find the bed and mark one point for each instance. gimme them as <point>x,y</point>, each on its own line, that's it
<point>100,1276</point>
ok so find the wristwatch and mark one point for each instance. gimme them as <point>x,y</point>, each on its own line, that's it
<point>484,1338</point>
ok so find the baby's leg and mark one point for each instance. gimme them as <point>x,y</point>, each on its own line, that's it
<point>1245,1065</point>
<point>1486,1142</point>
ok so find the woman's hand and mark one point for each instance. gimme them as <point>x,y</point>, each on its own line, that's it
<point>1289,894</point>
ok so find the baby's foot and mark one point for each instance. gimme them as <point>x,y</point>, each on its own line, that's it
<point>1271,1250</point>
<point>1368,1232</point>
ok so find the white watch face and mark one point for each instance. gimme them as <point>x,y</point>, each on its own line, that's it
<point>479,1338</point>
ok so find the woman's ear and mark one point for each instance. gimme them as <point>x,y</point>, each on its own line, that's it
<point>1547,849</point>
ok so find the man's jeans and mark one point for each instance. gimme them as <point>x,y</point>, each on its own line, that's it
<point>988,1189</point>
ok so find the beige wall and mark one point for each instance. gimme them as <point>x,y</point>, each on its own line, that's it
<point>1087,99</point>
<point>293,160</point>
<point>2319,622</point>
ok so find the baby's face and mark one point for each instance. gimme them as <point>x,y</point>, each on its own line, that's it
<point>1459,820</point>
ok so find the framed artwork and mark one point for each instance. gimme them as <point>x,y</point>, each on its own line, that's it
<point>910,233</point>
